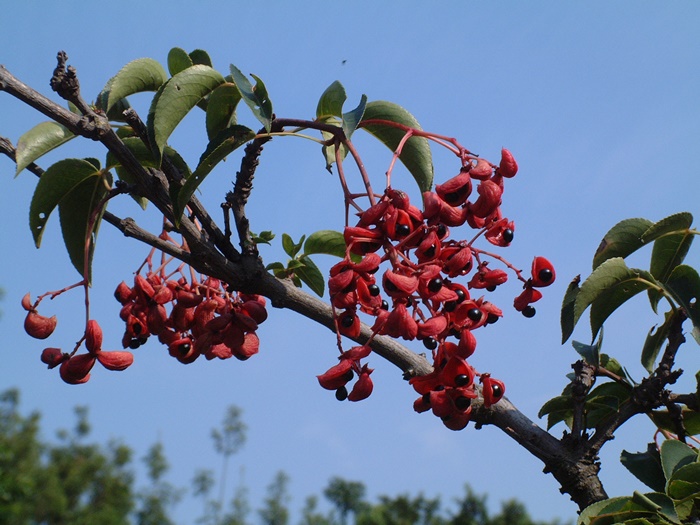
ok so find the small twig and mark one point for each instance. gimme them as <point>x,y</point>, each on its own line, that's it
<point>584,378</point>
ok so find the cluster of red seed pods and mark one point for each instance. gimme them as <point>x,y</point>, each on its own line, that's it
<point>418,295</point>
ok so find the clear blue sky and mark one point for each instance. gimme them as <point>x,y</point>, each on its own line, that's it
<point>597,100</point>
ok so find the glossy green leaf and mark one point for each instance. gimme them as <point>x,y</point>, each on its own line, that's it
<point>143,74</point>
<point>556,404</point>
<point>75,210</point>
<point>615,295</point>
<point>255,97</point>
<point>331,101</point>
<point>669,251</point>
<point>217,150</point>
<point>610,285</point>
<point>685,482</point>
<point>199,56</point>
<point>56,182</point>
<point>178,60</point>
<point>646,467</point>
<point>221,108</point>
<point>674,455</point>
<point>176,98</point>
<point>416,155</point>
<point>672,224</point>
<point>38,141</point>
<point>311,275</point>
<point>606,507</point>
<point>352,119</point>
<point>568,322</point>
<point>653,343</point>
<point>691,421</point>
<point>290,247</point>
<point>330,242</point>
<point>684,285</point>
<point>623,239</point>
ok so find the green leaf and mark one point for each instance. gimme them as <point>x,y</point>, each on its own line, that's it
<point>143,74</point>
<point>221,108</point>
<point>685,481</point>
<point>255,97</point>
<point>652,344</point>
<point>605,507</point>
<point>562,405</point>
<point>590,353</point>
<point>331,101</point>
<point>217,150</point>
<point>75,210</point>
<point>646,467</point>
<point>199,56</point>
<point>691,421</point>
<point>311,275</point>
<point>674,455</point>
<point>57,181</point>
<point>671,224</point>
<point>288,245</point>
<point>178,60</point>
<point>330,242</point>
<point>416,155</point>
<point>668,252</point>
<point>352,119</point>
<point>38,141</point>
<point>610,285</point>
<point>684,285</point>
<point>176,98</point>
<point>263,237</point>
<point>567,309</point>
<point>623,239</point>
<point>611,365</point>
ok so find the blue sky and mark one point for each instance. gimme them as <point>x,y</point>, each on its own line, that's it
<point>599,103</point>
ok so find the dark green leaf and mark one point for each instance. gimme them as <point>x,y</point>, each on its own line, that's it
<point>75,210</point>
<point>556,404</point>
<point>691,421</point>
<point>652,345</point>
<point>255,97</point>
<point>685,481</point>
<point>611,365</point>
<point>311,275</point>
<point>178,60</point>
<point>684,285</point>
<point>176,98</point>
<point>143,74</point>
<point>352,119</point>
<point>668,252</point>
<point>674,455</point>
<point>38,141</point>
<point>671,224</point>
<point>221,108</point>
<point>567,309</point>
<point>608,506</point>
<point>275,266</point>
<point>416,155</point>
<point>293,264</point>
<point>646,467</point>
<point>57,181</point>
<point>199,56</point>
<point>217,150</point>
<point>331,101</point>
<point>623,239</point>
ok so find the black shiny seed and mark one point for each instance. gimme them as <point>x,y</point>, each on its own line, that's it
<point>497,391</point>
<point>402,230</point>
<point>389,286</point>
<point>508,235</point>
<point>529,311</point>
<point>462,380</point>
<point>134,344</point>
<point>449,306</point>
<point>347,321</point>
<point>385,305</point>
<point>348,375</point>
<point>184,348</point>
<point>430,252</point>
<point>490,288</point>
<point>474,314</point>
<point>545,275</point>
<point>426,398</point>
<point>435,284</point>
<point>461,296</point>
<point>453,199</point>
<point>430,343</point>
<point>441,231</point>
<point>143,340</point>
<point>492,318</point>
<point>137,328</point>
<point>341,394</point>
<point>439,388</point>
<point>373,290</point>
<point>463,403</point>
